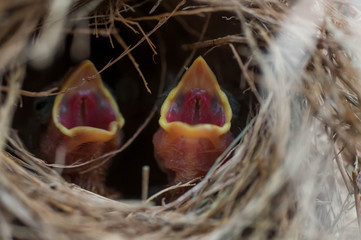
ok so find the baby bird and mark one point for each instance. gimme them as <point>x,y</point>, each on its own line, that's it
<point>85,123</point>
<point>195,121</point>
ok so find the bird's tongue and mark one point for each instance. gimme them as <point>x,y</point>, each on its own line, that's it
<point>196,106</point>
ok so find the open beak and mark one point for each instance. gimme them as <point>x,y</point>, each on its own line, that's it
<point>195,121</point>
<point>85,124</point>
<point>86,111</point>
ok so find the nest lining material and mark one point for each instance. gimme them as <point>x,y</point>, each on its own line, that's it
<point>289,175</point>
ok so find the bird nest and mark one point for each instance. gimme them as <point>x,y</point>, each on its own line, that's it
<point>292,169</point>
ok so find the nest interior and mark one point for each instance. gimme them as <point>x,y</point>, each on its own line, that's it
<point>293,66</point>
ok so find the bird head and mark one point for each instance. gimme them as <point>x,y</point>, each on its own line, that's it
<point>85,111</point>
<point>197,107</point>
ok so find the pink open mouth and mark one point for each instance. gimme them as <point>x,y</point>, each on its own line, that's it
<point>196,106</point>
<point>85,107</point>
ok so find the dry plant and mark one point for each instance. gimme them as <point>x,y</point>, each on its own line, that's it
<point>292,172</point>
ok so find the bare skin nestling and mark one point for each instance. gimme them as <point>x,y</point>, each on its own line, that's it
<point>85,123</point>
<point>194,125</point>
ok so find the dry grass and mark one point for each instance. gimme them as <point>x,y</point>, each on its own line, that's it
<point>291,175</point>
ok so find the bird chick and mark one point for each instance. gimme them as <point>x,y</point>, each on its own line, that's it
<point>85,124</point>
<point>195,121</point>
